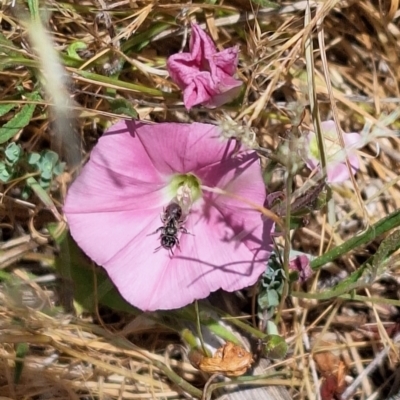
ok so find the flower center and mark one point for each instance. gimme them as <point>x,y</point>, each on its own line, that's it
<point>332,147</point>
<point>186,189</point>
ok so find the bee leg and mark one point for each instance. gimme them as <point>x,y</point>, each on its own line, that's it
<point>157,249</point>
<point>156,231</point>
<point>177,246</point>
<point>184,230</point>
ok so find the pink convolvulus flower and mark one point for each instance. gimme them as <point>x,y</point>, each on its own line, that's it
<point>301,265</point>
<point>337,170</point>
<point>204,74</point>
<point>135,172</point>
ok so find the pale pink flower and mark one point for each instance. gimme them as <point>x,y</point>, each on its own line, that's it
<point>301,265</point>
<point>134,172</point>
<point>204,74</point>
<point>337,170</point>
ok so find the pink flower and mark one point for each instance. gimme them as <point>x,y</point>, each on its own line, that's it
<point>337,170</point>
<point>135,171</point>
<point>301,265</point>
<point>204,74</point>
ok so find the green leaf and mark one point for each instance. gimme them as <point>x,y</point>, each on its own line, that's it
<point>18,122</point>
<point>59,168</point>
<point>74,47</point>
<point>5,276</point>
<point>44,183</point>
<point>218,329</point>
<point>21,352</point>
<point>33,6</point>
<point>7,46</point>
<point>5,108</point>
<point>274,347</point>
<point>46,170</point>
<point>5,175</point>
<point>33,158</point>
<point>26,193</point>
<point>121,84</point>
<point>13,152</point>
<point>90,284</point>
<point>123,107</point>
<point>58,232</point>
<point>265,3</point>
<point>50,156</point>
<point>17,61</point>
<point>388,246</point>
<point>43,195</point>
<point>47,163</point>
<point>268,299</point>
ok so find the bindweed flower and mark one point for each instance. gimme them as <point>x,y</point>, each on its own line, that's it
<point>337,170</point>
<point>204,74</point>
<point>122,211</point>
<point>301,265</point>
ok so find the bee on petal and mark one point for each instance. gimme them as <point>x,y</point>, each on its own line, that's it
<point>172,225</point>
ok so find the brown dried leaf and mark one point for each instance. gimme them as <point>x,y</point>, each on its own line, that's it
<point>229,360</point>
<point>334,384</point>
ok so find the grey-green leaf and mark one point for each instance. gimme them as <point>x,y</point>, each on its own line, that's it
<point>33,158</point>
<point>4,173</point>
<point>59,168</point>
<point>51,156</point>
<point>13,152</point>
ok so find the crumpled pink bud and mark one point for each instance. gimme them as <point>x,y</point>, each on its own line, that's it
<point>204,74</point>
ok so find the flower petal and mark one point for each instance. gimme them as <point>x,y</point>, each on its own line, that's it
<point>337,173</point>
<point>106,236</point>
<point>353,140</point>
<point>224,63</point>
<point>328,127</point>
<point>301,264</point>
<point>204,263</point>
<point>241,177</point>
<point>118,176</point>
<point>200,90</point>
<point>201,45</point>
<point>337,170</point>
<point>194,146</point>
<point>183,69</point>
<point>225,95</point>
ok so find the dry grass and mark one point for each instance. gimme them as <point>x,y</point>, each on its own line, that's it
<point>74,354</point>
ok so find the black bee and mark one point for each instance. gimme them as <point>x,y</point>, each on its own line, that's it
<point>173,224</point>
<point>172,212</point>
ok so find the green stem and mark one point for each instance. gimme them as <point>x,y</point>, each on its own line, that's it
<point>382,226</point>
<point>118,84</point>
<point>198,326</point>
